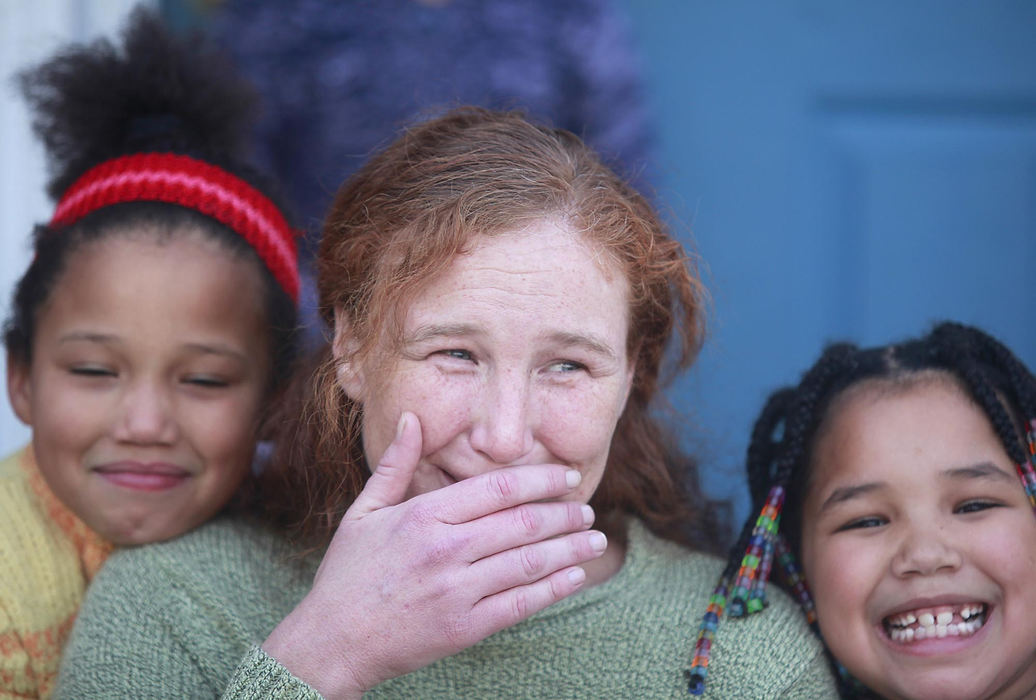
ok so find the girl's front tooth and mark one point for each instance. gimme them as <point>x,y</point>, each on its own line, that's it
<point>944,618</point>
<point>926,619</point>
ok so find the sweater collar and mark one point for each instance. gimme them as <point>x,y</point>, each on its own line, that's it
<point>90,547</point>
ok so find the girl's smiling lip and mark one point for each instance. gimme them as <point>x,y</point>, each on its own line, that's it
<point>143,476</point>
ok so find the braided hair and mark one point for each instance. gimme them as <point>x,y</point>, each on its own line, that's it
<point>780,454</point>
<point>124,128</point>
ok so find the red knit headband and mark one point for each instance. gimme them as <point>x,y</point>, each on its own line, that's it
<point>195,184</point>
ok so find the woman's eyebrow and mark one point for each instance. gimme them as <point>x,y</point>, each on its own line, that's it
<point>587,342</point>
<point>847,493</point>
<point>563,338</point>
<point>981,470</point>
<point>443,330</point>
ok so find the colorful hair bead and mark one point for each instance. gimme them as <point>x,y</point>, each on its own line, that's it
<point>706,633</point>
<point>756,564</point>
<point>757,595</point>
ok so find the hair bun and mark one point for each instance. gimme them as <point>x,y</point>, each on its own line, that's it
<point>156,92</point>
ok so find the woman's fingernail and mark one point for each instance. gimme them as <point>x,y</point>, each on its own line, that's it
<point>598,542</point>
<point>401,425</point>
<point>576,576</point>
<point>572,478</point>
<point>588,514</point>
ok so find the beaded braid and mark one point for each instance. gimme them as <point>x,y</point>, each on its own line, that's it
<point>974,357</point>
<point>759,453</point>
<point>769,469</point>
<point>1019,389</point>
<point>1024,384</point>
<point>1027,470</point>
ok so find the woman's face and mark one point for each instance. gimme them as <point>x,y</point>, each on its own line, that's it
<point>918,546</point>
<point>516,355</point>
<point>149,367</point>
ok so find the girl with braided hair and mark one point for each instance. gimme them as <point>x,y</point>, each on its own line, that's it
<point>888,479</point>
<point>155,321</point>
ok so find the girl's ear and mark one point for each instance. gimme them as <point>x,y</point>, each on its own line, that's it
<point>348,371</point>
<point>19,389</point>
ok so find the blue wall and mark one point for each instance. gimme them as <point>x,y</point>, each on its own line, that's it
<point>849,171</point>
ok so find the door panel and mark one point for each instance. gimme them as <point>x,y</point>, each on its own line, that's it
<point>849,171</point>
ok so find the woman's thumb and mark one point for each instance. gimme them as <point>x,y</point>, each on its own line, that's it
<point>388,484</point>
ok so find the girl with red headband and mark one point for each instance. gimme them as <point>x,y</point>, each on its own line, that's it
<point>148,333</point>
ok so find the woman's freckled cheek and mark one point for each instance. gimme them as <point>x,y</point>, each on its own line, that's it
<point>442,404</point>
<point>574,425</point>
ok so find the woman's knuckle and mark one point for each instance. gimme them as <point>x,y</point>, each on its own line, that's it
<point>502,486</point>
<point>520,605</point>
<point>528,520</point>
<point>532,561</point>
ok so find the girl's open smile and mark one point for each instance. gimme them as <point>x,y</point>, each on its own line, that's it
<point>917,542</point>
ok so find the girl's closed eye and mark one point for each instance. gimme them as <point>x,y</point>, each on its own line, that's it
<point>866,522</point>
<point>206,381</point>
<point>976,506</point>
<point>91,370</point>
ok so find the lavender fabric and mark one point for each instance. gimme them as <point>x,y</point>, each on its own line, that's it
<point>339,79</point>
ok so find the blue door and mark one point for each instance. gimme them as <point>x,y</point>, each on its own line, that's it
<point>848,171</point>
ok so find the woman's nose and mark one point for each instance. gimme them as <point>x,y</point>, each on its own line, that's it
<point>145,416</point>
<point>502,430</point>
<point>927,549</point>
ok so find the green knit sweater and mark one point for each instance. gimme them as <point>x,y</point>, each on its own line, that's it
<point>183,619</point>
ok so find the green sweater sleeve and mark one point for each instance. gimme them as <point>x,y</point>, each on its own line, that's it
<point>260,677</point>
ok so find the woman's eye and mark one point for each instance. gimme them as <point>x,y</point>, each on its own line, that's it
<point>862,523</point>
<point>458,354</point>
<point>975,506</point>
<point>566,366</point>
